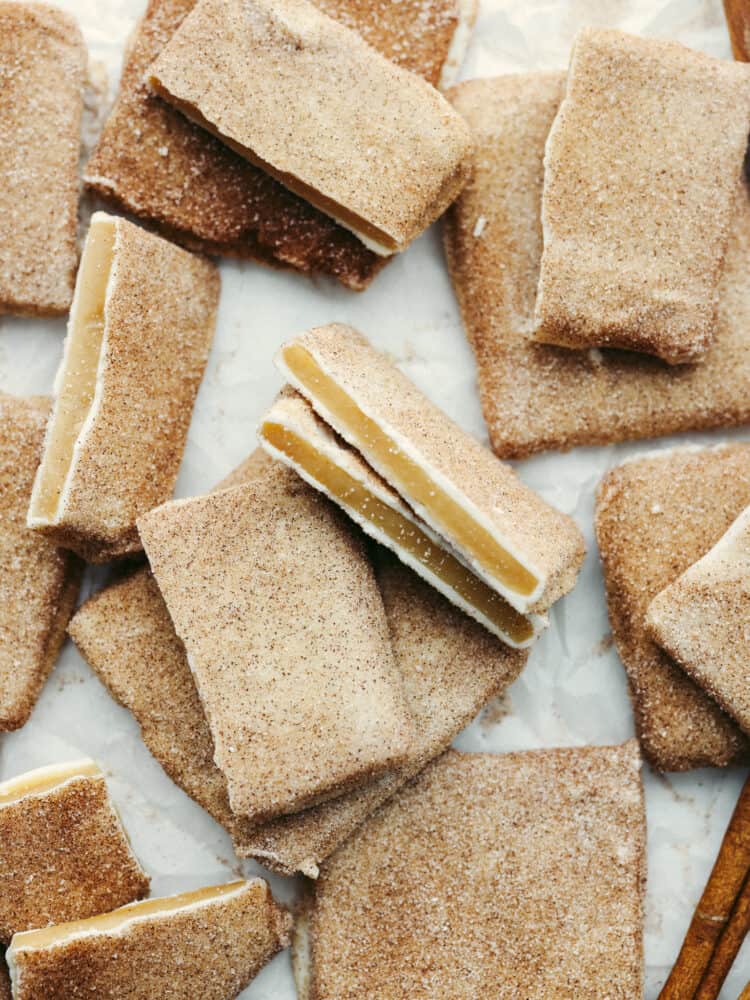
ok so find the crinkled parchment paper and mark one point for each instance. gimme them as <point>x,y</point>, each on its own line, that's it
<point>573,690</point>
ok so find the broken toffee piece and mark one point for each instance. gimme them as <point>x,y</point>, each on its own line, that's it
<point>63,852</point>
<point>209,943</point>
<point>43,68</point>
<point>140,331</point>
<point>638,196</point>
<point>293,433</point>
<point>483,871</point>
<point>308,101</point>
<point>38,581</point>
<point>519,545</point>
<point>284,628</point>
<point>146,156</point>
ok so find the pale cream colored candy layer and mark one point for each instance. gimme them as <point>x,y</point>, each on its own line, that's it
<point>510,875</point>
<point>209,943</point>
<point>285,632</point>
<point>450,667</point>
<point>655,516</point>
<point>702,620</point>
<point>536,397</point>
<point>641,167</point>
<point>228,205</point>
<point>63,852</point>
<point>38,581</point>
<point>43,68</point>
<point>140,331</point>
<point>307,100</point>
<point>523,548</point>
<point>294,434</point>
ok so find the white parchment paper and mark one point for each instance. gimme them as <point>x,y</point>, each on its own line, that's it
<point>573,690</point>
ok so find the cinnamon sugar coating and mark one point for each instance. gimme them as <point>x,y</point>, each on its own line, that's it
<point>286,635</point>
<point>534,532</point>
<point>701,621</point>
<point>169,172</point>
<point>641,167</point>
<point>126,635</point>
<point>302,96</point>
<point>160,315</point>
<point>64,856</point>
<point>212,951</point>
<point>42,72</point>
<point>516,875</point>
<point>536,397</point>
<point>38,581</point>
<point>449,665</point>
<point>655,516</point>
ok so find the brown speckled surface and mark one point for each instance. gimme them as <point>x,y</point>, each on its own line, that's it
<point>159,325</point>
<point>209,952</point>
<point>450,667</point>
<point>284,627</point>
<point>38,581</point>
<point>517,875</point>
<point>536,397</point>
<point>302,96</point>
<point>702,621</point>
<point>63,856</point>
<point>654,517</point>
<point>547,539</point>
<point>641,167</point>
<point>42,71</point>
<point>147,156</point>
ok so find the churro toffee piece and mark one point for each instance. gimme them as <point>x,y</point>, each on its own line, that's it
<point>641,168</point>
<point>140,331</point>
<point>293,433</point>
<point>536,397</point>
<point>63,851</point>
<point>42,67</point>
<point>524,549</point>
<point>655,516</point>
<point>38,581</point>
<point>284,628</point>
<point>511,875</point>
<point>702,620</point>
<point>146,158</point>
<point>308,101</point>
<point>125,634</point>
<point>208,943</point>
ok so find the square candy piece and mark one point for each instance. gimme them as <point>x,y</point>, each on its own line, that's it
<point>284,627</point>
<point>63,852</point>
<point>536,397</point>
<point>655,516</point>
<point>641,168</point>
<point>307,100</point>
<point>42,67</point>
<point>513,875</point>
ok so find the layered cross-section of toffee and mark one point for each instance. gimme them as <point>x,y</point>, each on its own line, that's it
<point>291,433</point>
